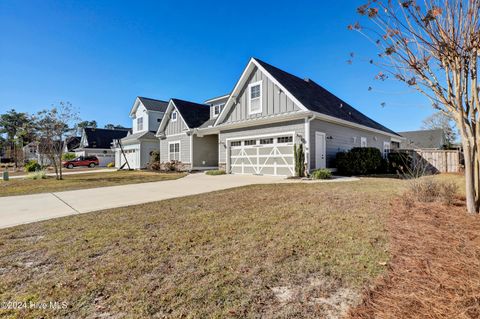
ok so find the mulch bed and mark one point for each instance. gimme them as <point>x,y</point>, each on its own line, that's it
<point>435,267</point>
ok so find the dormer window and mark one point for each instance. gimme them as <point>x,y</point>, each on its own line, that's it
<point>217,109</point>
<point>140,124</point>
<point>255,98</point>
<point>174,116</point>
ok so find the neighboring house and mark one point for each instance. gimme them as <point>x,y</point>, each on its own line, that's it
<point>423,139</point>
<point>254,130</point>
<point>30,152</point>
<point>71,143</point>
<point>98,142</point>
<point>179,139</point>
<point>38,151</point>
<point>146,115</point>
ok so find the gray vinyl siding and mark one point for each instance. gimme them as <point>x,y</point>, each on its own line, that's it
<point>341,138</point>
<point>175,127</point>
<point>276,128</point>
<point>205,149</point>
<point>184,148</point>
<point>222,101</point>
<point>274,101</point>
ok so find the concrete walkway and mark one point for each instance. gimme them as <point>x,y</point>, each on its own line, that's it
<point>16,210</point>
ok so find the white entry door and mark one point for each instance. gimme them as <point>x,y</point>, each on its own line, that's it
<point>320,150</point>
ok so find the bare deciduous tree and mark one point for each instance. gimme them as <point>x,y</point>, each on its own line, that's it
<point>53,126</point>
<point>440,120</point>
<point>434,46</point>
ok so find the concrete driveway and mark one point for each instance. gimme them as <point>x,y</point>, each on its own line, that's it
<point>16,210</point>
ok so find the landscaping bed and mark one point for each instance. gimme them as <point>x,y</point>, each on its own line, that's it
<point>81,181</point>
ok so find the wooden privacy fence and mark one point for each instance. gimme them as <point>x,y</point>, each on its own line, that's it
<point>443,161</point>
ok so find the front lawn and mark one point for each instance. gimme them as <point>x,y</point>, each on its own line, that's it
<point>80,181</point>
<point>286,250</point>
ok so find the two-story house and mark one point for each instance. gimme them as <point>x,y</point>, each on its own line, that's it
<point>253,129</point>
<point>136,148</point>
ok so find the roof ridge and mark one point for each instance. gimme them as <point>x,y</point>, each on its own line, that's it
<point>149,98</point>
<point>181,100</point>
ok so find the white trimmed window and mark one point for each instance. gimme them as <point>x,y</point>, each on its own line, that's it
<point>236,143</point>
<point>255,98</point>
<point>250,142</point>
<point>174,151</point>
<point>363,142</point>
<point>140,124</point>
<point>217,109</point>
<point>174,116</point>
<point>386,149</point>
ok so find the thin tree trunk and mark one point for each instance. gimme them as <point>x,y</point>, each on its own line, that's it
<point>470,191</point>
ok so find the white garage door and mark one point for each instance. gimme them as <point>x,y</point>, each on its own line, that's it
<point>131,155</point>
<point>266,155</point>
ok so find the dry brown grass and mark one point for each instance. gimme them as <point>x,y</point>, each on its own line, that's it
<point>435,268</point>
<point>284,251</point>
<point>81,181</point>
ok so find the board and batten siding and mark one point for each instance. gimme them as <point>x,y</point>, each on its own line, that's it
<point>341,138</point>
<point>184,148</point>
<point>298,127</point>
<point>274,100</point>
<point>175,127</point>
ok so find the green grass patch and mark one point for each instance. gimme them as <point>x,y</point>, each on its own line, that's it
<point>215,172</point>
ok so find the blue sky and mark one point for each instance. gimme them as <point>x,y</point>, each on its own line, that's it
<point>100,55</point>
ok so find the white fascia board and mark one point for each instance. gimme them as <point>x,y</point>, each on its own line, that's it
<point>134,107</point>
<point>246,72</point>
<point>240,81</point>
<point>163,122</point>
<point>287,93</point>
<point>165,118</point>
<point>216,99</point>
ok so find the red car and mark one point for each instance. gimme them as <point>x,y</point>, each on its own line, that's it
<point>90,161</point>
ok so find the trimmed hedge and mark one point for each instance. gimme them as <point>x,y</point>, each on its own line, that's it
<point>32,166</point>
<point>321,174</point>
<point>361,161</point>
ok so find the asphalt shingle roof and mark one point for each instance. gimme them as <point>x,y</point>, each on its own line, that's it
<point>153,105</point>
<point>73,142</point>
<point>194,114</point>
<point>103,138</point>
<point>140,135</point>
<point>318,99</point>
<point>423,139</point>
